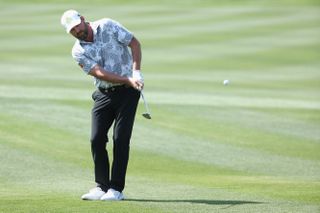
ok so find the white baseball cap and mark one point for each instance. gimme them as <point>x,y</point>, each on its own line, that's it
<point>69,19</point>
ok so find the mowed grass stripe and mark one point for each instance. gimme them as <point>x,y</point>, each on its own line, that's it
<point>165,98</point>
<point>239,47</point>
<point>35,43</point>
<point>213,37</point>
<point>192,17</point>
<point>27,169</point>
<point>195,98</point>
<point>43,181</point>
<point>312,133</point>
<point>210,152</point>
<point>49,114</point>
<point>246,121</point>
<point>262,120</point>
<point>237,23</point>
<point>38,141</point>
<point>203,147</point>
<point>206,180</point>
<point>195,48</point>
<point>297,78</point>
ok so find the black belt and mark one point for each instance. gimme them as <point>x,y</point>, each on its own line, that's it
<point>112,89</point>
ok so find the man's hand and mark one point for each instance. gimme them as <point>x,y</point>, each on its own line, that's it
<point>137,75</point>
<point>135,83</point>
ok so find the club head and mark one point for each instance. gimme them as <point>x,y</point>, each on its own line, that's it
<point>146,115</point>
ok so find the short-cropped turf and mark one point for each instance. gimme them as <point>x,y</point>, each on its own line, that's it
<point>251,146</point>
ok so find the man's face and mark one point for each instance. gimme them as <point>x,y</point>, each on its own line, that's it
<point>80,31</point>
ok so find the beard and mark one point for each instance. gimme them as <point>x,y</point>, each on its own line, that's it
<point>84,34</point>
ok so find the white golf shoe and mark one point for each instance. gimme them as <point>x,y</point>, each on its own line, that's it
<point>112,195</point>
<point>94,194</point>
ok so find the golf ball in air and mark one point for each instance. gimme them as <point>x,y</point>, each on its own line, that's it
<point>226,82</point>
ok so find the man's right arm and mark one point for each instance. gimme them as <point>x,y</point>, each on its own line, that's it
<point>98,72</point>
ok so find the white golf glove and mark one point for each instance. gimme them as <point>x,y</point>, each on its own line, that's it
<point>137,75</point>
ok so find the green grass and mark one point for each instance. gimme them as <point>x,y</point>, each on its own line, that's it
<point>252,146</point>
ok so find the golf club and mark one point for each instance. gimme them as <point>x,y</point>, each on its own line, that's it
<point>146,114</point>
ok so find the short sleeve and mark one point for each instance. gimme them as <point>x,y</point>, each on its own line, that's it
<point>122,34</point>
<point>83,61</point>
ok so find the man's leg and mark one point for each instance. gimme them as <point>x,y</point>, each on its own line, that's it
<point>127,105</point>
<point>102,118</point>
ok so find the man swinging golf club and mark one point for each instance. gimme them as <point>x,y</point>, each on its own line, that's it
<point>102,51</point>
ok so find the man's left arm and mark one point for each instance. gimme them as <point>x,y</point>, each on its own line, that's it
<point>136,53</point>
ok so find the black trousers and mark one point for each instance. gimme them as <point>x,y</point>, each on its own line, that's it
<point>119,107</point>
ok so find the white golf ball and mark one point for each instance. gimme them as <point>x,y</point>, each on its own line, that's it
<point>226,82</point>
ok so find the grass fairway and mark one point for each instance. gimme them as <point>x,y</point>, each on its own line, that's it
<point>251,146</point>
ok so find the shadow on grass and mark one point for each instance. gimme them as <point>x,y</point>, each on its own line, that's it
<point>208,202</point>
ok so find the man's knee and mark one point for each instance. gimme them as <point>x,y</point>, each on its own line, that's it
<point>98,141</point>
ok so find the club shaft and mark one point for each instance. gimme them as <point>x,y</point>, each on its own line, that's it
<point>145,103</point>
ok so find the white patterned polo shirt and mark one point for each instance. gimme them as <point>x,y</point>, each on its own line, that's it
<point>109,50</point>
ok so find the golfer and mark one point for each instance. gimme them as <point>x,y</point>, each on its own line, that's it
<point>102,50</point>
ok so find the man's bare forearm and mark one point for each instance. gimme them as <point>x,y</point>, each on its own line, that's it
<point>136,53</point>
<point>102,74</point>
